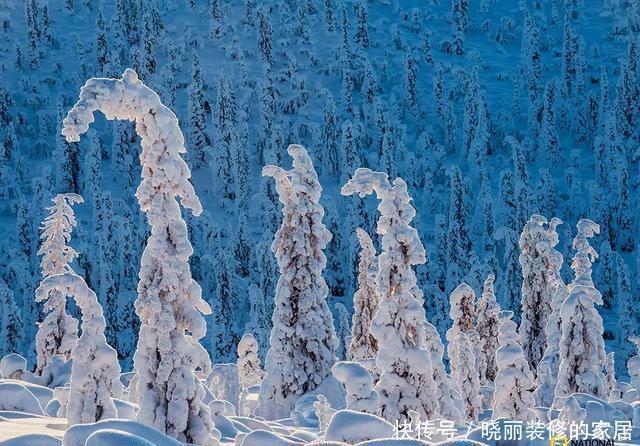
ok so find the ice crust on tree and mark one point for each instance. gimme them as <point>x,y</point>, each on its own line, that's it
<point>95,373</point>
<point>303,340</point>
<point>169,301</point>
<point>541,265</point>
<point>58,332</point>
<point>366,300</point>
<point>248,361</point>
<point>582,353</point>
<point>512,398</point>
<point>404,360</point>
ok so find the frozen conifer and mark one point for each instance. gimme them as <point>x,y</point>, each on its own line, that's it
<point>404,362</point>
<point>302,348</point>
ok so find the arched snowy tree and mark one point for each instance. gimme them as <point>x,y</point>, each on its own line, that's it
<point>303,339</point>
<point>404,361</point>
<point>541,265</point>
<point>582,354</point>
<point>248,361</point>
<point>512,398</point>
<point>364,345</point>
<point>58,333</point>
<point>95,373</point>
<point>169,301</point>
<point>487,327</point>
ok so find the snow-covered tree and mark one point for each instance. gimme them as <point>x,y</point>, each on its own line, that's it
<point>466,374</point>
<point>259,320</point>
<point>547,370</point>
<point>95,373</point>
<point>541,265</point>
<point>444,393</point>
<point>628,315</point>
<point>265,35</point>
<point>58,332</point>
<point>248,361</point>
<point>512,398</point>
<point>197,135</point>
<point>303,340</point>
<point>582,354</point>
<point>169,301</point>
<point>364,345</point>
<point>487,324</point>
<point>11,324</point>
<point>404,361</point>
<point>343,331</point>
<point>462,312</point>
<point>460,247</point>
<point>610,373</point>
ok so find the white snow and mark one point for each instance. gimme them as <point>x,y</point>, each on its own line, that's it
<point>353,427</point>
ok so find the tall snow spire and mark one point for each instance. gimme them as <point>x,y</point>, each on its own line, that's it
<point>303,340</point>
<point>404,360</point>
<point>582,353</point>
<point>58,332</point>
<point>169,301</point>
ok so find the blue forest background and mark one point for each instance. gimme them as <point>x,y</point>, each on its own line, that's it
<point>490,110</point>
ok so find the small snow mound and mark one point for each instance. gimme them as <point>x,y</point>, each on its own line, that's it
<point>265,438</point>
<point>111,437</point>
<point>78,434</point>
<point>17,397</point>
<point>43,394</point>
<point>11,365</point>
<point>354,427</point>
<point>32,440</point>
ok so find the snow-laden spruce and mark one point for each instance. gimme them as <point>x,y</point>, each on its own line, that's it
<point>512,398</point>
<point>404,360</point>
<point>58,332</point>
<point>169,301</point>
<point>541,265</point>
<point>11,325</point>
<point>248,361</point>
<point>582,354</point>
<point>365,302</point>
<point>95,373</point>
<point>462,312</point>
<point>466,374</point>
<point>444,394</point>
<point>487,327</point>
<point>303,340</point>
<point>547,369</point>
